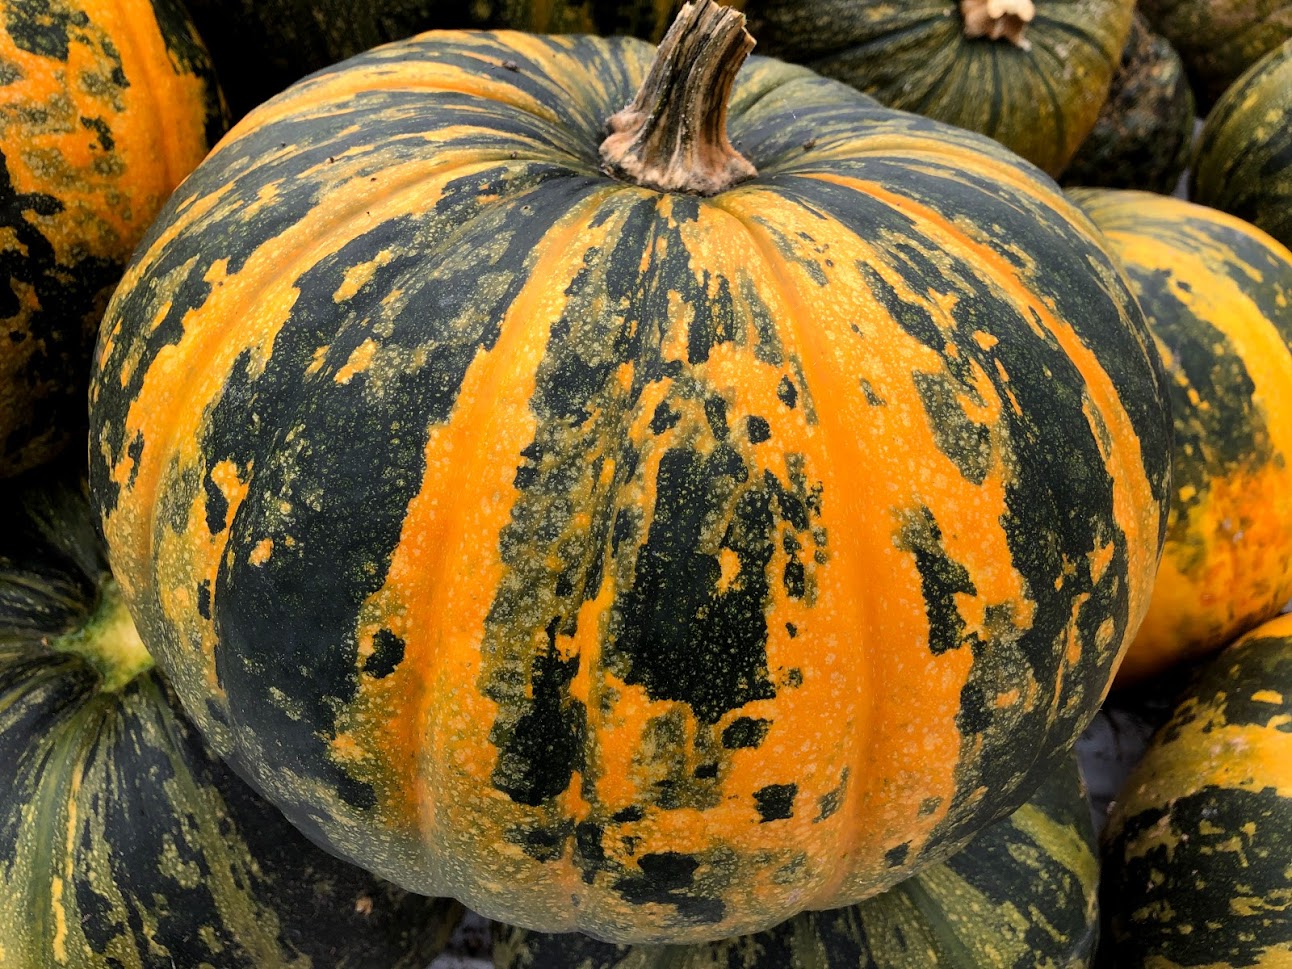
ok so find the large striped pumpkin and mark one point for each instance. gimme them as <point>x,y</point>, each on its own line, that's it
<point>123,841</point>
<point>1197,857</point>
<point>104,106</point>
<point>652,563</point>
<point>1034,76</point>
<point>1023,895</point>
<point>1217,294</point>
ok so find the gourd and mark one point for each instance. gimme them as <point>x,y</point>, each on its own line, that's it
<point>1217,294</point>
<point>1023,895</point>
<point>104,106</point>
<point>1144,133</point>
<point>513,525</point>
<point>1243,161</point>
<point>1196,858</point>
<point>123,840</point>
<point>1033,74</point>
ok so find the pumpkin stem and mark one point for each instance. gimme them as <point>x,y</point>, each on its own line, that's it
<point>108,641</point>
<point>673,136</point>
<point>998,19</point>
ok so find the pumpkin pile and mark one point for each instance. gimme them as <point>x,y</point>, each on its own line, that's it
<point>681,504</point>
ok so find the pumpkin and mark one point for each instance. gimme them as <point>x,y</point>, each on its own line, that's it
<point>1143,135</point>
<point>1217,294</point>
<point>1196,858</point>
<point>123,840</point>
<point>104,106</point>
<point>1021,896</point>
<point>1033,74</point>
<point>569,541</point>
<point>1243,160</point>
<point>1219,39</point>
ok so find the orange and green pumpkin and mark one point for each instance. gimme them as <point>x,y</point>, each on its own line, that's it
<point>1243,160</point>
<point>1032,75</point>
<point>1217,294</point>
<point>646,562</point>
<point>1196,859</point>
<point>123,841</point>
<point>1023,895</point>
<point>1144,132</point>
<point>104,106</point>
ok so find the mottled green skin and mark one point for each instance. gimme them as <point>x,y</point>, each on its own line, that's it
<point>1197,851</point>
<point>1021,896</point>
<point>1038,101</point>
<point>1243,160</point>
<point>1219,39</point>
<point>123,841</point>
<point>1144,132</point>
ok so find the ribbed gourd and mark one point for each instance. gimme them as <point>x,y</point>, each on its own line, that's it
<point>1217,294</point>
<point>1243,160</point>
<point>104,106</point>
<point>124,842</point>
<point>1023,895</point>
<point>1033,74</point>
<point>1196,858</point>
<point>628,534</point>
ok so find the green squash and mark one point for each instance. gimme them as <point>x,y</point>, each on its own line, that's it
<point>1197,860</point>
<point>1037,88</point>
<point>123,841</point>
<point>1243,161</point>
<point>1021,896</point>
<point>1144,132</point>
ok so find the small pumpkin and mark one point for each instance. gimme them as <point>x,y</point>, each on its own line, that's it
<point>570,502</point>
<point>1219,39</point>
<point>1033,74</point>
<point>104,106</point>
<point>1196,859</point>
<point>1243,160</point>
<point>1217,294</point>
<point>123,840</point>
<point>1023,895</point>
<point>1144,133</point>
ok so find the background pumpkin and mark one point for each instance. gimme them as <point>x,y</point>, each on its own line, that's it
<point>1219,39</point>
<point>1038,94</point>
<point>104,106</point>
<point>1144,133</point>
<point>1243,161</point>
<point>123,841</point>
<point>1021,896</point>
<point>1217,294</point>
<point>1196,864</point>
<point>575,507</point>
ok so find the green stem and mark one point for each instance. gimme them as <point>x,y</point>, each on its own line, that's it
<point>108,640</point>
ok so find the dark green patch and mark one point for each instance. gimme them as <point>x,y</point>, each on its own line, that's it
<point>775,802</point>
<point>387,653</point>
<point>745,732</point>
<point>669,878</point>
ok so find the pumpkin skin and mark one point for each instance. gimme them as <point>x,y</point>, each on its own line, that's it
<point>1144,133</point>
<point>1022,895</point>
<point>1040,102</point>
<point>1217,294</point>
<point>1196,858</point>
<point>104,106</point>
<point>1219,39</point>
<point>523,471</point>
<point>1243,161</point>
<point>123,840</point>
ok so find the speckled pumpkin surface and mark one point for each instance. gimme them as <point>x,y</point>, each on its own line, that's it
<point>1197,850</point>
<point>1243,161</point>
<point>1023,895</point>
<point>1220,39</point>
<point>123,841</point>
<point>1217,294</point>
<point>1144,133</point>
<point>1039,97</point>
<point>104,106</point>
<point>641,562</point>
